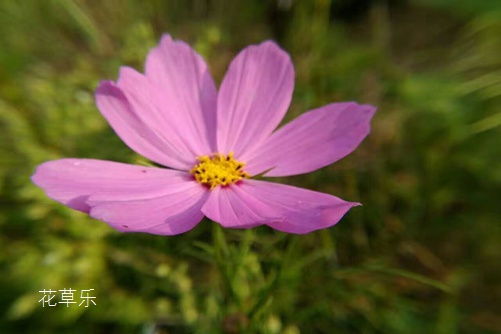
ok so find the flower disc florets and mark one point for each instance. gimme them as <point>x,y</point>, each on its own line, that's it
<point>219,169</point>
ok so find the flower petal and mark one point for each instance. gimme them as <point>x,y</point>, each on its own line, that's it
<point>284,208</point>
<point>254,96</point>
<point>232,207</point>
<point>187,92</point>
<point>175,210</point>
<point>129,198</point>
<point>303,210</point>
<point>132,120</point>
<point>72,181</point>
<point>313,140</point>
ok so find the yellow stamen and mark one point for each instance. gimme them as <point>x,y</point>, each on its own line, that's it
<point>218,170</point>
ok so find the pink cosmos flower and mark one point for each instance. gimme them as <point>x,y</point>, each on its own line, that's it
<point>213,143</point>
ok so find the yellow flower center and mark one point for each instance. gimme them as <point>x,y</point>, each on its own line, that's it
<point>218,170</point>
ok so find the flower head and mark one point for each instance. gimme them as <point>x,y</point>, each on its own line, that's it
<point>212,144</point>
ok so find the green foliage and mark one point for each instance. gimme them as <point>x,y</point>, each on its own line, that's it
<point>421,255</point>
<point>465,6</point>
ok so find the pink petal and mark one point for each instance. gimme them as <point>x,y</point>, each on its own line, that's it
<point>285,208</point>
<point>313,140</point>
<point>132,120</point>
<point>187,93</point>
<point>175,210</point>
<point>129,198</point>
<point>146,100</point>
<point>254,96</point>
<point>303,210</point>
<point>232,207</point>
<point>72,181</point>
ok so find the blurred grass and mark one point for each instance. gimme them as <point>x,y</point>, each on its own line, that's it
<point>421,256</point>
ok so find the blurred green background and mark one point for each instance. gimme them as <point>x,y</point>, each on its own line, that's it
<point>421,256</point>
